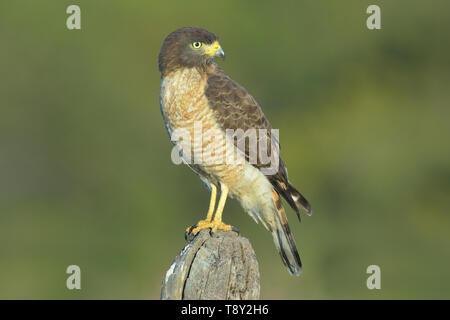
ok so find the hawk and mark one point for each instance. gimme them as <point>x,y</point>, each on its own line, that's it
<point>196,93</point>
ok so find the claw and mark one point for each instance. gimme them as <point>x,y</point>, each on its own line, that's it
<point>191,232</point>
<point>235,229</point>
<point>188,236</point>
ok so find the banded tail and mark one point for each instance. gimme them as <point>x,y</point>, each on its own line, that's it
<point>283,239</point>
<point>295,199</point>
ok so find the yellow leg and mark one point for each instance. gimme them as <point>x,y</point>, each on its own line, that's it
<point>216,222</point>
<point>212,202</point>
<point>223,198</point>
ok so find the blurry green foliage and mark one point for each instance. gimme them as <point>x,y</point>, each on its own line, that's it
<point>85,170</point>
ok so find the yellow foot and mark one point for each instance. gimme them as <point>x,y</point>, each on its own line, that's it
<point>205,224</point>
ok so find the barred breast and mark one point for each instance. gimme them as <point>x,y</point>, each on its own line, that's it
<point>185,110</point>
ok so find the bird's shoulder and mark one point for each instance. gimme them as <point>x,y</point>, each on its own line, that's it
<point>234,106</point>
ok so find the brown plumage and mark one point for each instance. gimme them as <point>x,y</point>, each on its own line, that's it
<point>175,52</point>
<point>194,89</point>
<point>235,108</point>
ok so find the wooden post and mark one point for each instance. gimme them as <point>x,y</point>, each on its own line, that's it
<point>222,266</point>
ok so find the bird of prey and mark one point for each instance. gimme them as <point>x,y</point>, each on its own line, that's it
<point>196,93</point>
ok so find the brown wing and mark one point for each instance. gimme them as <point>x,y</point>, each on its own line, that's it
<point>236,109</point>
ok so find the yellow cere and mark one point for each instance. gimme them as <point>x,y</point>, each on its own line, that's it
<point>211,49</point>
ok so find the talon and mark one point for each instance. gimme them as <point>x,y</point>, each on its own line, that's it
<point>235,229</point>
<point>213,219</point>
<point>205,224</point>
<point>220,226</point>
<point>189,229</point>
<point>188,236</point>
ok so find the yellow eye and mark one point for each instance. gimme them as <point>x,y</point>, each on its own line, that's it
<point>197,45</point>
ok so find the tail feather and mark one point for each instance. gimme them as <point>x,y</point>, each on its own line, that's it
<point>299,199</point>
<point>295,199</point>
<point>283,239</point>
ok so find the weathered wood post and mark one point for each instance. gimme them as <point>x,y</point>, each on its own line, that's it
<point>222,266</point>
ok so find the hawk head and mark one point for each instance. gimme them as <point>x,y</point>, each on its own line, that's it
<point>189,47</point>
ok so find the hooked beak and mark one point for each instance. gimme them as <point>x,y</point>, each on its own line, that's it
<point>220,53</point>
<point>214,50</point>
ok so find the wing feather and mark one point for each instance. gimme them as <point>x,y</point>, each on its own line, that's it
<point>236,109</point>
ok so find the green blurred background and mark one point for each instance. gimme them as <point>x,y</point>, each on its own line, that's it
<point>85,170</point>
